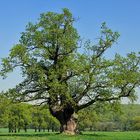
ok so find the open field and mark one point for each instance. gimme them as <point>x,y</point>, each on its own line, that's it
<point>55,136</point>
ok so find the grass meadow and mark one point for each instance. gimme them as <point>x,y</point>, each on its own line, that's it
<point>31,135</point>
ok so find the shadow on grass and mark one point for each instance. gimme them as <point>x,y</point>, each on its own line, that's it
<point>50,134</point>
<point>29,134</point>
<point>94,135</point>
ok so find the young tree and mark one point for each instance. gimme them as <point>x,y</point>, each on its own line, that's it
<point>42,119</point>
<point>57,73</point>
<point>4,110</point>
<point>90,121</point>
<point>136,123</point>
<point>19,117</point>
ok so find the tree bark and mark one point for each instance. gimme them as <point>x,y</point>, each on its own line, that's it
<point>67,119</point>
<point>35,129</point>
<point>10,127</point>
<point>25,128</point>
<point>18,129</point>
<point>38,129</point>
<point>68,126</point>
<point>15,130</point>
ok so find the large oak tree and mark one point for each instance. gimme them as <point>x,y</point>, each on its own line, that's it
<point>68,79</point>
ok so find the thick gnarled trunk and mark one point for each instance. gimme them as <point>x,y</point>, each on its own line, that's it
<point>68,126</point>
<point>67,119</point>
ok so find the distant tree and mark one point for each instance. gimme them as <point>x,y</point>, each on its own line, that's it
<point>53,124</point>
<point>87,119</point>
<point>19,117</point>
<point>4,110</point>
<point>136,123</point>
<point>35,118</point>
<point>42,119</point>
<point>56,72</point>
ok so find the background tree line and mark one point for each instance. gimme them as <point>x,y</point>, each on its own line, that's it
<point>125,117</point>
<point>23,116</point>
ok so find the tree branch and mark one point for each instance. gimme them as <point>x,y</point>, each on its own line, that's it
<point>97,98</point>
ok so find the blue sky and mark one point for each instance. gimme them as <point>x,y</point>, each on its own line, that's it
<point>120,15</point>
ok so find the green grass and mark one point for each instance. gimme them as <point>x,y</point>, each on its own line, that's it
<point>55,136</point>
